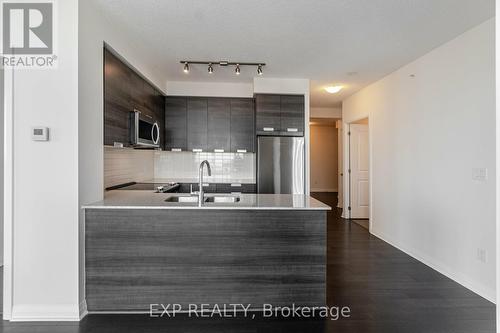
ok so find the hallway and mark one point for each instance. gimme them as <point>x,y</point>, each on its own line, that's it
<point>386,290</point>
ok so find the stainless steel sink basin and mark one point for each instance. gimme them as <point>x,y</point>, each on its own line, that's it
<point>192,199</point>
<point>222,199</point>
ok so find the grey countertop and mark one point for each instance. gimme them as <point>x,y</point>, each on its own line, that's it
<point>119,199</point>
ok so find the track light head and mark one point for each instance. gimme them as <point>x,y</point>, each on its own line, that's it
<point>237,70</point>
<point>210,68</point>
<point>259,70</point>
<point>186,67</point>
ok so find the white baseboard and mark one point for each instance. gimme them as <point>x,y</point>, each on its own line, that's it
<point>48,312</point>
<point>324,190</point>
<point>475,287</point>
<point>83,309</point>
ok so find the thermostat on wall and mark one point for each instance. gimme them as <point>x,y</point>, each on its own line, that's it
<point>40,134</point>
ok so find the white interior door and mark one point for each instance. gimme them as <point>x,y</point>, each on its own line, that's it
<point>359,158</point>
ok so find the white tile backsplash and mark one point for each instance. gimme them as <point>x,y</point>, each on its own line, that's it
<point>123,165</point>
<point>226,167</point>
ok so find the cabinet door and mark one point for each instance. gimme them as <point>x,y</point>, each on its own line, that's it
<point>268,114</point>
<point>175,123</point>
<point>140,93</point>
<point>219,124</point>
<point>292,115</point>
<point>116,100</point>
<point>197,124</point>
<point>159,108</point>
<point>242,125</point>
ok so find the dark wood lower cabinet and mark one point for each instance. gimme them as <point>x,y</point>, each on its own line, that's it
<point>135,258</point>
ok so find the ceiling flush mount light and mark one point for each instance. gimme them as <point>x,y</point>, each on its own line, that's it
<point>333,89</point>
<point>237,65</point>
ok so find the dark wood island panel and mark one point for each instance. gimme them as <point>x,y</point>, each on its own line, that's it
<point>138,257</point>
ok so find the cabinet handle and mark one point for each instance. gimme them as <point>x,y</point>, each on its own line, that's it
<point>268,129</point>
<point>241,150</point>
<point>176,149</point>
<point>218,150</point>
<point>197,150</point>
<point>236,185</point>
<point>205,184</point>
<point>236,193</point>
<point>292,130</point>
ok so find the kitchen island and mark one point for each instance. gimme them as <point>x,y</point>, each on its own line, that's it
<point>144,248</point>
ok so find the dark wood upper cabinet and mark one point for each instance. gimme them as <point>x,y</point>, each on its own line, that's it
<point>159,109</point>
<point>210,124</point>
<point>176,123</point>
<point>280,115</point>
<point>125,91</point>
<point>197,121</point>
<point>292,114</point>
<point>268,113</point>
<point>219,124</point>
<point>116,100</point>
<point>242,125</point>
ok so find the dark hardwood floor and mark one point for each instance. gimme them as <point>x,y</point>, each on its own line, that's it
<point>386,290</point>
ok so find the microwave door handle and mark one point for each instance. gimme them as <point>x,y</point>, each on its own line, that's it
<point>155,141</point>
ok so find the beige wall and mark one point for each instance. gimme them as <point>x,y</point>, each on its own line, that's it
<point>324,158</point>
<point>426,199</point>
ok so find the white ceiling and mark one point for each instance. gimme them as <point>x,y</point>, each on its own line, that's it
<point>342,42</point>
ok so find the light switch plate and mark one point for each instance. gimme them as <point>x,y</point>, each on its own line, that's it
<point>40,134</point>
<point>480,174</point>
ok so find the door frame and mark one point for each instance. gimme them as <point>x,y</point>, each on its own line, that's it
<point>8,191</point>
<point>347,160</point>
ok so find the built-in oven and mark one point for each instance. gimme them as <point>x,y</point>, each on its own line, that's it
<point>144,130</point>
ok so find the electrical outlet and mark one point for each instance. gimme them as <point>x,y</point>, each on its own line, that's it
<point>481,255</point>
<point>480,174</point>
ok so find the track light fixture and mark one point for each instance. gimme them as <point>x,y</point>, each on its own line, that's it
<point>210,64</point>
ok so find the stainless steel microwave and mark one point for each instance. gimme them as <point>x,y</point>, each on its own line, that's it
<point>144,131</point>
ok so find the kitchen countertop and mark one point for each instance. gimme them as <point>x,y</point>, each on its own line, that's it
<point>119,199</point>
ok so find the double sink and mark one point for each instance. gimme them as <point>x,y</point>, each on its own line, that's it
<point>208,199</point>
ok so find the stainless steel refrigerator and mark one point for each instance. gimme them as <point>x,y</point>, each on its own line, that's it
<point>280,165</point>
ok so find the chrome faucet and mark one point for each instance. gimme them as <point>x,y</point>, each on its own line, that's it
<point>201,194</point>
